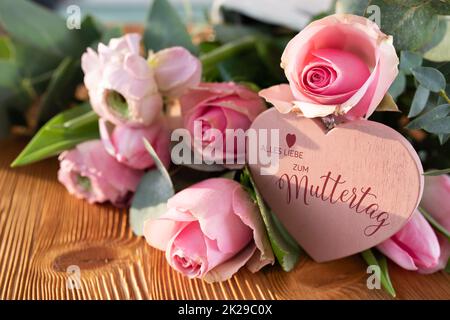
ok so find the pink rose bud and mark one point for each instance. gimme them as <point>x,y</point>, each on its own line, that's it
<point>341,64</point>
<point>89,172</point>
<point>121,85</point>
<point>127,146</point>
<point>414,247</point>
<point>219,106</point>
<point>176,70</point>
<point>211,230</point>
<point>436,202</point>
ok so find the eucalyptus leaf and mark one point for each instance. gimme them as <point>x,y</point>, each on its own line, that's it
<point>438,126</point>
<point>53,138</point>
<point>6,48</point>
<point>419,101</point>
<point>409,60</point>
<point>430,117</point>
<point>150,199</point>
<point>437,172</point>
<point>430,78</point>
<point>164,29</point>
<point>439,49</point>
<point>285,248</point>
<point>398,86</point>
<point>371,260</point>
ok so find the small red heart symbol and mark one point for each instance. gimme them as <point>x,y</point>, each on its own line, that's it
<point>290,139</point>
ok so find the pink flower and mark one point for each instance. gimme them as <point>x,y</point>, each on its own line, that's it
<point>414,247</point>
<point>217,107</point>
<point>341,64</point>
<point>89,172</point>
<point>436,202</point>
<point>211,230</point>
<point>176,70</point>
<point>121,84</point>
<point>127,146</point>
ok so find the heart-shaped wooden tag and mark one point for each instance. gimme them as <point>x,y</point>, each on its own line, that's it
<point>342,191</point>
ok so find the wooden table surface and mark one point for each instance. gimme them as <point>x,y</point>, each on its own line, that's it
<point>43,231</point>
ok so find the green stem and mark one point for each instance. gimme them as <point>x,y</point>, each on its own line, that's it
<point>222,53</point>
<point>75,123</point>
<point>434,223</point>
<point>443,94</point>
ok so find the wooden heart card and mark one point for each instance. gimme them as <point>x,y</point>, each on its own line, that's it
<point>339,191</point>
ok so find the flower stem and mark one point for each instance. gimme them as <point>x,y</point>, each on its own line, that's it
<point>434,223</point>
<point>443,94</point>
<point>215,56</point>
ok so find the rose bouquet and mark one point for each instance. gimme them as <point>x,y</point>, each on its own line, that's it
<point>159,106</point>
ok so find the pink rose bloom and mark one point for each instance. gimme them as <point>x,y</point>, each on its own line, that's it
<point>219,106</point>
<point>414,247</point>
<point>176,70</point>
<point>211,230</point>
<point>89,172</point>
<point>341,64</point>
<point>436,202</point>
<point>127,146</point>
<point>121,85</point>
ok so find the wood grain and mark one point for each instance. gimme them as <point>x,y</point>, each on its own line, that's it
<point>43,230</point>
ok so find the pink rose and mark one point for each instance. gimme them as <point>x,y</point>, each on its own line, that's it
<point>89,172</point>
<point>341,64</point>
<point>414,247</point>
<point>121,85</point>
<point>211,230</point>
<point>436,202</point>
<point>127,146</point>
<point>176,70</point>
<point>220,106</point>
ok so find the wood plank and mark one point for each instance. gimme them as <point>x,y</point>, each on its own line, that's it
<point>43,231</point>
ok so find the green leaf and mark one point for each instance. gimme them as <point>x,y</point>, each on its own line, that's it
<point>110,33</point>
<point>398,86</point>
<point>285,248</point>
<point>441,7</point>
<point>447,267</point>
<point>370,259</point>
<point>419,101</point>
<point>438,126</point>
<point>409,60</point>
<point>357,7</point>
<point>60,89</point>
<point>32,24</point>
<point>150,199</point>
<point>53,138</point>
<point>436,172</point>
<point>399,18</point>
<point>427,119</point>
<point>430,78</point>
<point>436,225</point>
<point>439,49</point>
<point>165,29</point>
